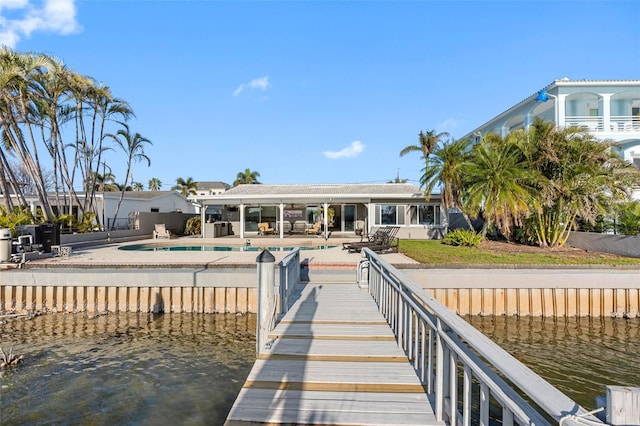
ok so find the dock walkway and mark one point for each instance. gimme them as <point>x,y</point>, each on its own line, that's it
<point>332,359</point>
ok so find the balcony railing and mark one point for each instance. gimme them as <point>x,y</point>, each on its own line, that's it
<point>617,123</point>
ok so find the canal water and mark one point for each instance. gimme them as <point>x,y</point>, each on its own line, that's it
<point>579,356</point>
<point>134,369</point>
<point>142,369</point>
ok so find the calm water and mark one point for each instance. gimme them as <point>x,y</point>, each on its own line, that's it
<point>188,368</point>
<point>579,356</point>
<point>125,368</point>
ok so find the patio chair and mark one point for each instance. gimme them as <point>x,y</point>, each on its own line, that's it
<point>264,229</point>
<point>299,227</point>
<point>386,242</point>
<point>160,231</point>
<point>367,239</point>
<point>313,230</point>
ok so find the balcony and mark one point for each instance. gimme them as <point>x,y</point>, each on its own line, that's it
<point>617,123</point>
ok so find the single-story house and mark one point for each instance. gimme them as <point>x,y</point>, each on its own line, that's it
<point>351,209</point>
<point>107,202</point>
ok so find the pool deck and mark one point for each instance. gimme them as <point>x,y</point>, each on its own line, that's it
<point>110,256</point>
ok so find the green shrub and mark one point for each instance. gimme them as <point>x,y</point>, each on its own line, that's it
<point>629,218</point>
<point>192,227</point>
<point>462,237</point>
<point>19,216</point>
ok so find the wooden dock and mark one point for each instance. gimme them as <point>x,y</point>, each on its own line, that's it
<point>333,359</point>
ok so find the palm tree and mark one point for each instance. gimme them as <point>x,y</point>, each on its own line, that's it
<point>246,177</point>
<point>496,183</point>
<point>428,141</point>
<point>154,184</point>
<point>138,186</point>
<point>105,183</point>
<point>133,146</point>
<point>580,177</point>
<point>104,107</point>
<point>444,169</point>
<point>397,179</point>
<point>186,187</point>
<point>21,82</point>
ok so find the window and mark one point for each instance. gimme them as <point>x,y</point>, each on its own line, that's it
<point>155,210</point>
<point>388,214</point>
<point>269,214</point>
<point>313,214</point>
<point>425,214</point>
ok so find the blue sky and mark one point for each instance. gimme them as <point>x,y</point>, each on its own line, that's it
<point>318,92</point>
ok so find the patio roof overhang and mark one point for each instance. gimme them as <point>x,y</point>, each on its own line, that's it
<point>314,194</point>
<point>303,199</point>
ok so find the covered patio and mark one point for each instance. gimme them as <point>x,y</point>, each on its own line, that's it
<point>320,210</point>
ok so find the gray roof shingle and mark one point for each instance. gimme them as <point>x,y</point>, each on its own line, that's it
<point>387,189</point>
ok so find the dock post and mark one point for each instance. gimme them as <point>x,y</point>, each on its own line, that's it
<point>266,297</point>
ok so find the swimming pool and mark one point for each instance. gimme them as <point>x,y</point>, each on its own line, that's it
<point>205,247</point>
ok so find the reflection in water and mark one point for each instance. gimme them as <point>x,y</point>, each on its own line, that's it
<point>125,368</point>
<point>188,368</point>
<point>580,356</point>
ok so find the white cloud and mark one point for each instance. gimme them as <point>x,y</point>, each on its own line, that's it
<point>352,150</point>
<point>26,17</point>
<point>261,83</point>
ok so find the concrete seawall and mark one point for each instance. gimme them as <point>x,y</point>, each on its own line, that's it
<point>534,292</point>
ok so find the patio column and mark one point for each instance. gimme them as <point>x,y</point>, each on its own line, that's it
<point>325,219</point>
<point>241,220</point>
<point>370,217</point>
<point>561,115</point>
<point>606,112</point>
<point>281,227</point>
<point>203,210</point>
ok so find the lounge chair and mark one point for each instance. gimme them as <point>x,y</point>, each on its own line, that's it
<point>387,241</point>
<point>160,231</point>
<point>264,229</point>
<point>368,239</point>
<point>313,230</point>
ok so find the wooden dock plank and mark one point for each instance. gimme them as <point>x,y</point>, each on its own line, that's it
<point>337,329</point>
<point>348,348</point>
<point>332,359</point>
<point>335,408</point>
<point>333,371</point>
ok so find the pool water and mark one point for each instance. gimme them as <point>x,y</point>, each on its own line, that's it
<point>203,247</point>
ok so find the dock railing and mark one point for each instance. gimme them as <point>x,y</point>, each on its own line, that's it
<point>461,369</point>
<point>274,300</point>
<point>289,278</point>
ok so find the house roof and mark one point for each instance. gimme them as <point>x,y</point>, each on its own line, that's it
<point>213,185</point>
<point>309,193</point>
<point>142,195</point>
<point>326,189</point>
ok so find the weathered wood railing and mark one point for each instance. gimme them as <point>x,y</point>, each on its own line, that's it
<point>446,353</point>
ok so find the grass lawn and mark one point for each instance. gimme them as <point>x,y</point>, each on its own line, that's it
<point>501,253</point>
